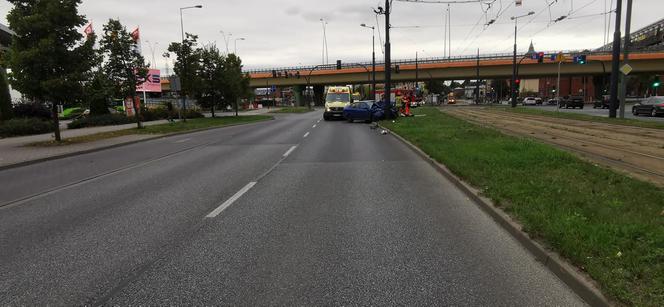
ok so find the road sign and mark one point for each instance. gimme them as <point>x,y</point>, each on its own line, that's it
<point>626,69</point>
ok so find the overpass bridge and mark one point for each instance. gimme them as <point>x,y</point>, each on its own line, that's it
<point>495,66</point>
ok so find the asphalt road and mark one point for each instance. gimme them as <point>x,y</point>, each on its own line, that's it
<point>332,214</point>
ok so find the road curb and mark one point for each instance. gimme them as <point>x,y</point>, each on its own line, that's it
<point>578,281</point>
<point>82,152</point>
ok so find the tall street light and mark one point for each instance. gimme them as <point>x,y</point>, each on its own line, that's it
<point>373,59</point>
<point>152,48</point>
<point>183,114</point>
<point>513,86</point>
<point>326,54</point>
<point>235,43</point>
<point>226,39</point>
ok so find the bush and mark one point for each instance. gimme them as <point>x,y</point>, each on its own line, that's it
<point>156,114</point>
<point>193,114</point>
<point>70,113</point>
<point>101,120</point>
<point>32,110</point>
<point>25,126</point>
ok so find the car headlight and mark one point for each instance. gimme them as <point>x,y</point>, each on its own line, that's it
<point>328,109</point>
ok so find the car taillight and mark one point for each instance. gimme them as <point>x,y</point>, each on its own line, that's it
<point>661,105</point>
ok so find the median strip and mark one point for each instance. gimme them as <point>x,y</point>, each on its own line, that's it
<point>606,224</point>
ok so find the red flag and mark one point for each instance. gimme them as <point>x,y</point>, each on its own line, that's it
<point>89,30</point>
<point>136,35</point>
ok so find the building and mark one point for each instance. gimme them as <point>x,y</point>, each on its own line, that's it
<point>5,37</point>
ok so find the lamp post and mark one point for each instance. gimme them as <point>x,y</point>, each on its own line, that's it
<point>326,54</point>
<point>183,114</point>
<point>373,59</point>
<point>513,85</point>
<point>226,39</point>
<point>152,47</point>
<point>235,44</point>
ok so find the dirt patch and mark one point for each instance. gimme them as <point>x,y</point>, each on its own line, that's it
<point>638,152</point>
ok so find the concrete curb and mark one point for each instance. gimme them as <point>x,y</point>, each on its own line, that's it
<point>82,152</point>
<point>580,283</point>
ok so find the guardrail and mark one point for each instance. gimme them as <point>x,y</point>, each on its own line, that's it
<point>496,56</point>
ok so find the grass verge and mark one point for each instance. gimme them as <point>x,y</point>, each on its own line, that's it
<point>163,129</point>
<point>605,223</point>
<point>293,110</point>
<point>586,117</point>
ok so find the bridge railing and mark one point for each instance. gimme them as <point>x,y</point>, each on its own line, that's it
<point>412,61</point>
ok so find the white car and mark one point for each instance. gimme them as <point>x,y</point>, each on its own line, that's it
<point>530,101</point>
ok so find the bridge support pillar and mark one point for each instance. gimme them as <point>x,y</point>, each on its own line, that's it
<point>300,100</point>
<point>319,95</point>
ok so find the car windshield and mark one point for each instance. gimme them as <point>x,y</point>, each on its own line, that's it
<point>656,100</point>
<point>337,97</point>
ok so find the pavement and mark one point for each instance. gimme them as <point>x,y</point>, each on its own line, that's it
<point>295,211</point>
<point>16,150</point>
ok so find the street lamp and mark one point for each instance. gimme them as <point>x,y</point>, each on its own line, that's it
<point>513,85</point>
<point>152,47</point>
<point>373,59</point>
<point>235,48</point>
<point>183,115</point>
<point>226,39</point>
<point>326,54</point>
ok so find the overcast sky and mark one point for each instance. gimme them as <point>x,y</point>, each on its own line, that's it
<point>289,32</point>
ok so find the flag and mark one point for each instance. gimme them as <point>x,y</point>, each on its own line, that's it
<point>519,2</point>
<point>89,30</point>
<point>136,35</point>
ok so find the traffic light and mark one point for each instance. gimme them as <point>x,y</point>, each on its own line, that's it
<point>657,82</point>
<point>338,64</point>
<point>580,59</point>
<point>517,82</point>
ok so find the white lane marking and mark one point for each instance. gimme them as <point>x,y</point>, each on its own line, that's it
<point>318,121</point>
<point>306,134</point>
<point>290,151</point>
<point>231,200</point>
<point>314,126</point>
<point>183,140</point>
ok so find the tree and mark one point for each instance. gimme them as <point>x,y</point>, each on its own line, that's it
<point>97,94</point>
<point>125,67</point>
<point>210,75</point>
<point>237,83</point>
<point>5,98</point>
<point>186,64</point>
<point>48,56</point>
<point>437,87</point>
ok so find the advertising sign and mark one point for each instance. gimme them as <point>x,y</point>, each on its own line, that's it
<point>152,84</point>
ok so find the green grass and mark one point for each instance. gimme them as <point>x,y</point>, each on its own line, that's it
<point>607,224</point>
<point>293,110</point>
<point>163,129</point>
<point>586,117</point>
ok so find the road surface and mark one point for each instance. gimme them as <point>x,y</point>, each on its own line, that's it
<point>288,212</point>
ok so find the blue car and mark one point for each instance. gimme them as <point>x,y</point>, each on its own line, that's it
<point>360,110</point>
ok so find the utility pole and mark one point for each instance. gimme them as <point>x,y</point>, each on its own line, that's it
<point>417,72</point>
<point>628,41</point>
<point>388,60</point>
<point>615,65</point>
<point>477,82</point>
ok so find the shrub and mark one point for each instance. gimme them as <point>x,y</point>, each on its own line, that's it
<point>156,114</point>
<point>72,113</point>
<point>25,126</point>
<point>101,120</point>
<point>32,110</point>
<point>193,114</point>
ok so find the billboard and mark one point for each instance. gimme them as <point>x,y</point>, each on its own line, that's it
<point>152,84</point>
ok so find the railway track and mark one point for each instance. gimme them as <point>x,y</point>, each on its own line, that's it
<point>638,152</point>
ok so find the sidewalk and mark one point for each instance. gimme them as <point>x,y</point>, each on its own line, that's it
<point>15,150</point>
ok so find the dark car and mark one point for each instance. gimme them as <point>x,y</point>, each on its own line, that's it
<point>653,106</point>
<point>572,102</point>
<point>603,103</point>
<point>361,110</point>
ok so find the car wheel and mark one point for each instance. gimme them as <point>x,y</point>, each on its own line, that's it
<point>635,112</point>
<point>653,113</point>
<point>581,107</point>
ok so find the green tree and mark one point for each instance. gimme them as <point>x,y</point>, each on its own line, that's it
<point>438,87</point>
<point>237,83</point>
<point>5,98</point>
<point>125,67</point>
<point>186,64</point>
<point>48,56</point>
<point>98,93</point>
<point>210,75</point>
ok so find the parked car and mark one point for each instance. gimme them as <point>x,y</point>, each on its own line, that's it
<point>603,103</point>
<point>553,102</point>
<point>530,101</point>
<point>361,110</point>
<point>538,101</point>
<point>572,102</point>
<point>653,106</point>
